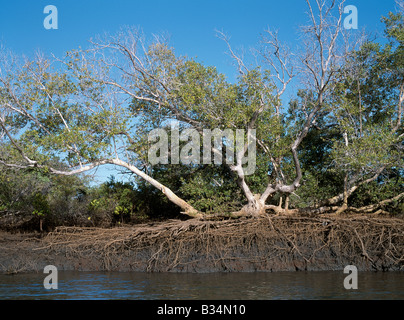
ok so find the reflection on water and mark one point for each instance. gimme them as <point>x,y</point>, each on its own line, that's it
<point>256,286</point>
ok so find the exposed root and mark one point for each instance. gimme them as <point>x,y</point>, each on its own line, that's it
<point>268,243</point>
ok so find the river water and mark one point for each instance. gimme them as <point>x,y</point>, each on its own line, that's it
<point>212,286</point>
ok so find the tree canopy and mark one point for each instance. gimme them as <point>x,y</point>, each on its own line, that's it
<point>337,145</point>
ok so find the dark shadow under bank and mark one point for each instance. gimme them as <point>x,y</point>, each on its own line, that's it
<point>271,243</point>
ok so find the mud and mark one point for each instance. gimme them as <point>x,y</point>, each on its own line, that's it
<point>271,243</point>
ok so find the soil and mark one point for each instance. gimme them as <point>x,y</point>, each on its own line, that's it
<point>270,243</point>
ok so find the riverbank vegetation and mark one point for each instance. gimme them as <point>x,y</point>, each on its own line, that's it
<point>335,147</point>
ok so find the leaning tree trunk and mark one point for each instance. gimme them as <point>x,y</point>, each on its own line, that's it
<point>186,207</point>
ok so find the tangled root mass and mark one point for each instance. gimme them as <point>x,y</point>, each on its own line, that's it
<point>274,243</point>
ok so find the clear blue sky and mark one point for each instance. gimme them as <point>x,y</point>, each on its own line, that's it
<point>191,24</point>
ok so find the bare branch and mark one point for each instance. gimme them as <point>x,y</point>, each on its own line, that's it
<point>242,69</point>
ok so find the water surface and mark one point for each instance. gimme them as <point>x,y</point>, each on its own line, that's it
<point>245,286</point>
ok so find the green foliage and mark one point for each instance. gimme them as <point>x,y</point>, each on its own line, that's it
<point>211,189</point>
<point>66,117</point>
<point>40,205</point>
<point>115,201</point>
<point>386,187</point>
<point>35,193</point>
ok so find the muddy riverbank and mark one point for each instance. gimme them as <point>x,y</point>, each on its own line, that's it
<point>272,243</point>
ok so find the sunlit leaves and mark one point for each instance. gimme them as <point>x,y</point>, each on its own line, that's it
<point>372,150</point>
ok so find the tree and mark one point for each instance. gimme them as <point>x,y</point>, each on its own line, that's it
<point>47,112</point>
<point>367,114</point>
<point>35,199</point>
<point>98,106</point>
<point>318,68</point>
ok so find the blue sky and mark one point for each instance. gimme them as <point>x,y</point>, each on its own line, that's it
<point>191,24</point>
